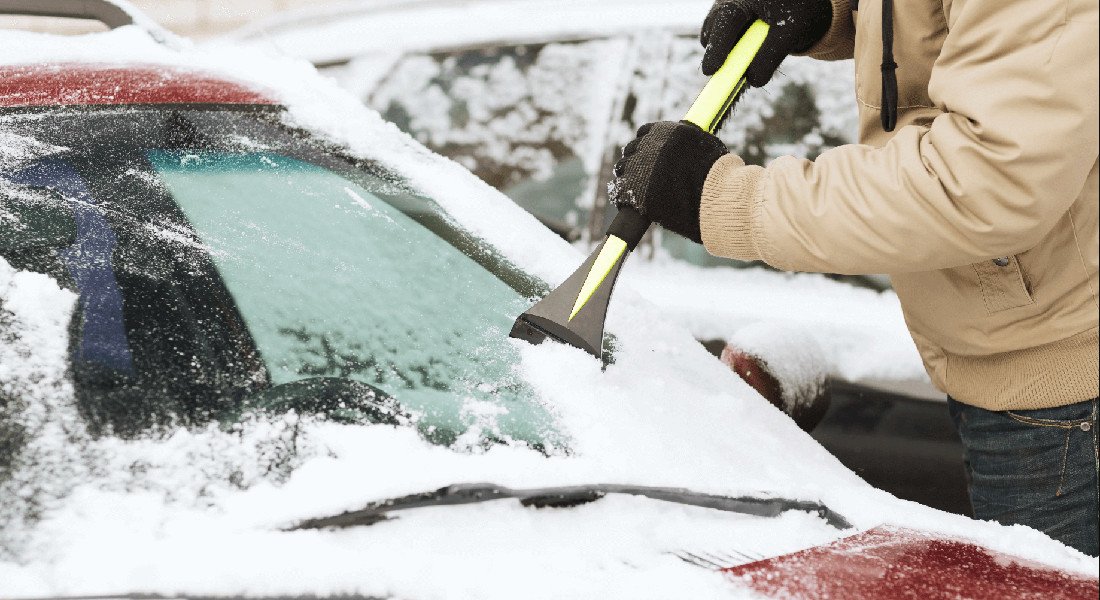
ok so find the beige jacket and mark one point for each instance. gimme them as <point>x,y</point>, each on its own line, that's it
<point>994,157</point>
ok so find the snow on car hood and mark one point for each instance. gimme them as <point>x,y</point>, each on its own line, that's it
<point>200,511</point>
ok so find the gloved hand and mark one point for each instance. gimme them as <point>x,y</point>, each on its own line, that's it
<point>662,172</point>
<point>796,25</point>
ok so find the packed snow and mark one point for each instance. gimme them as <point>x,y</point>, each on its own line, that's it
<point>202,511</point>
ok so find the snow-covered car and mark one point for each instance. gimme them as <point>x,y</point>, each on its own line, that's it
<point>536,97</point>
<point>253,343</point>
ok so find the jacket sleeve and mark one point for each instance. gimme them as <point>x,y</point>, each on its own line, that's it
<point>839,41</point>
<point>1011,150</point>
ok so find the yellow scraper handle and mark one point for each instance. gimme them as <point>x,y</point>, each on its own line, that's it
<point>574,312</point>
<point>724,86</point>
<point>706,112</point>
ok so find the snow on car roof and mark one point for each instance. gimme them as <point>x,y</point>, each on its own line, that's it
<point>194,513</point>
<point>354,29</point>
<point>81,84</point>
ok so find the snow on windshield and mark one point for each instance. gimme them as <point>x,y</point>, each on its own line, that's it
<point>201,510</point>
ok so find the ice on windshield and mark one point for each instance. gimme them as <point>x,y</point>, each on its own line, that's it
<point>333,281</point>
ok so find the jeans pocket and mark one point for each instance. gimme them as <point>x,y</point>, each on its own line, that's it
<point>1062,423</point>
<point>1075,416</point>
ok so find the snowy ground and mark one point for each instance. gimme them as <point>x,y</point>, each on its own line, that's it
<point>201,511</point>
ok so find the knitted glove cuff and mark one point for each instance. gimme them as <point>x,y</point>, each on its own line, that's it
<point>730,201</point>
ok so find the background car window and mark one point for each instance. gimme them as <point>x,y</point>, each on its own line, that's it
<point>333,281</point>
<point>543,123</point>
<point>529,119</point>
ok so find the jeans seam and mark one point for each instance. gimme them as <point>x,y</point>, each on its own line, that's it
<point>1065,460</point>
<point>1096,448</point>
<point>1047,422</point>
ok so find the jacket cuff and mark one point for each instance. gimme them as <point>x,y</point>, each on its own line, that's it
<point>839,41</point>
<point>731,197</point>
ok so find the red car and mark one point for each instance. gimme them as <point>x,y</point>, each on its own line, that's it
<point>253,344</point>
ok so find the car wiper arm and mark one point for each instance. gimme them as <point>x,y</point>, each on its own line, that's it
<point>564,496</point>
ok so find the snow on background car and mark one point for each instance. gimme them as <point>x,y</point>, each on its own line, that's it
<point>200,511</point>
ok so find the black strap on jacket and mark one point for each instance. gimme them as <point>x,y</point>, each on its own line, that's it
<point>889,77</point>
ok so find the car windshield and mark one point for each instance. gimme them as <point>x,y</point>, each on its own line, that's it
<point>227,264</point>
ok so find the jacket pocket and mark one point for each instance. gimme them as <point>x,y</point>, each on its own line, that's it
<point>1002,284</point>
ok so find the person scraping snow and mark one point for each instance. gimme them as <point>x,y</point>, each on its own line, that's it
<point>974,187</point>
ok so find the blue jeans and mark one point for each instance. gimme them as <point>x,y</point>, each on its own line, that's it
<point>1039,468</point>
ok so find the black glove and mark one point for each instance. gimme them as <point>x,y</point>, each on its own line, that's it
<point>661,174</point>
<point>796,25</point>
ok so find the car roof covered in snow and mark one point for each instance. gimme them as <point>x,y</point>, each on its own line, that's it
<point>76,84</point>
<point>330,34</point>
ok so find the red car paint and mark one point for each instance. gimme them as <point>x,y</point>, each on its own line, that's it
<point>889,563</point>
<point>754,373</point>
<point>90,84</point>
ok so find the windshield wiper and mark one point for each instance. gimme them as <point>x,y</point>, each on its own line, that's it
<point>565,496</point>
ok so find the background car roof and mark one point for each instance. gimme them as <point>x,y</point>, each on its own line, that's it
<point>352,29</point>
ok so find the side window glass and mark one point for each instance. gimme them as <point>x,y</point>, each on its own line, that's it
<point>529,119</point>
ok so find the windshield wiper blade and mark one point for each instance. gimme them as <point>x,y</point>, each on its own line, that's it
<point>564,496</point>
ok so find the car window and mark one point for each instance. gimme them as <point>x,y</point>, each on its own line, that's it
<point>529,119</point>
<point>227,265</point>
<point>543,123</point>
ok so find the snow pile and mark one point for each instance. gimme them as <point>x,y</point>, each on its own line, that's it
<point>41,433</point>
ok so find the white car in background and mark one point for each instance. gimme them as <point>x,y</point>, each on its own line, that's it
<point>536,97</point>
<point>253,343</point>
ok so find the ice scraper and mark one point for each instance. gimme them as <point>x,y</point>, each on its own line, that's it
<point>574,312</point>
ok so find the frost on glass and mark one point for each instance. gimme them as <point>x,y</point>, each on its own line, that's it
<point>333,281</point>
<point>16,150</point>
<point>520,117</point>
<point>544,122</point>
<point>807,108</point>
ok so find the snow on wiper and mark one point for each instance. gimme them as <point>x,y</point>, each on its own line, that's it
<point>566,496</point>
